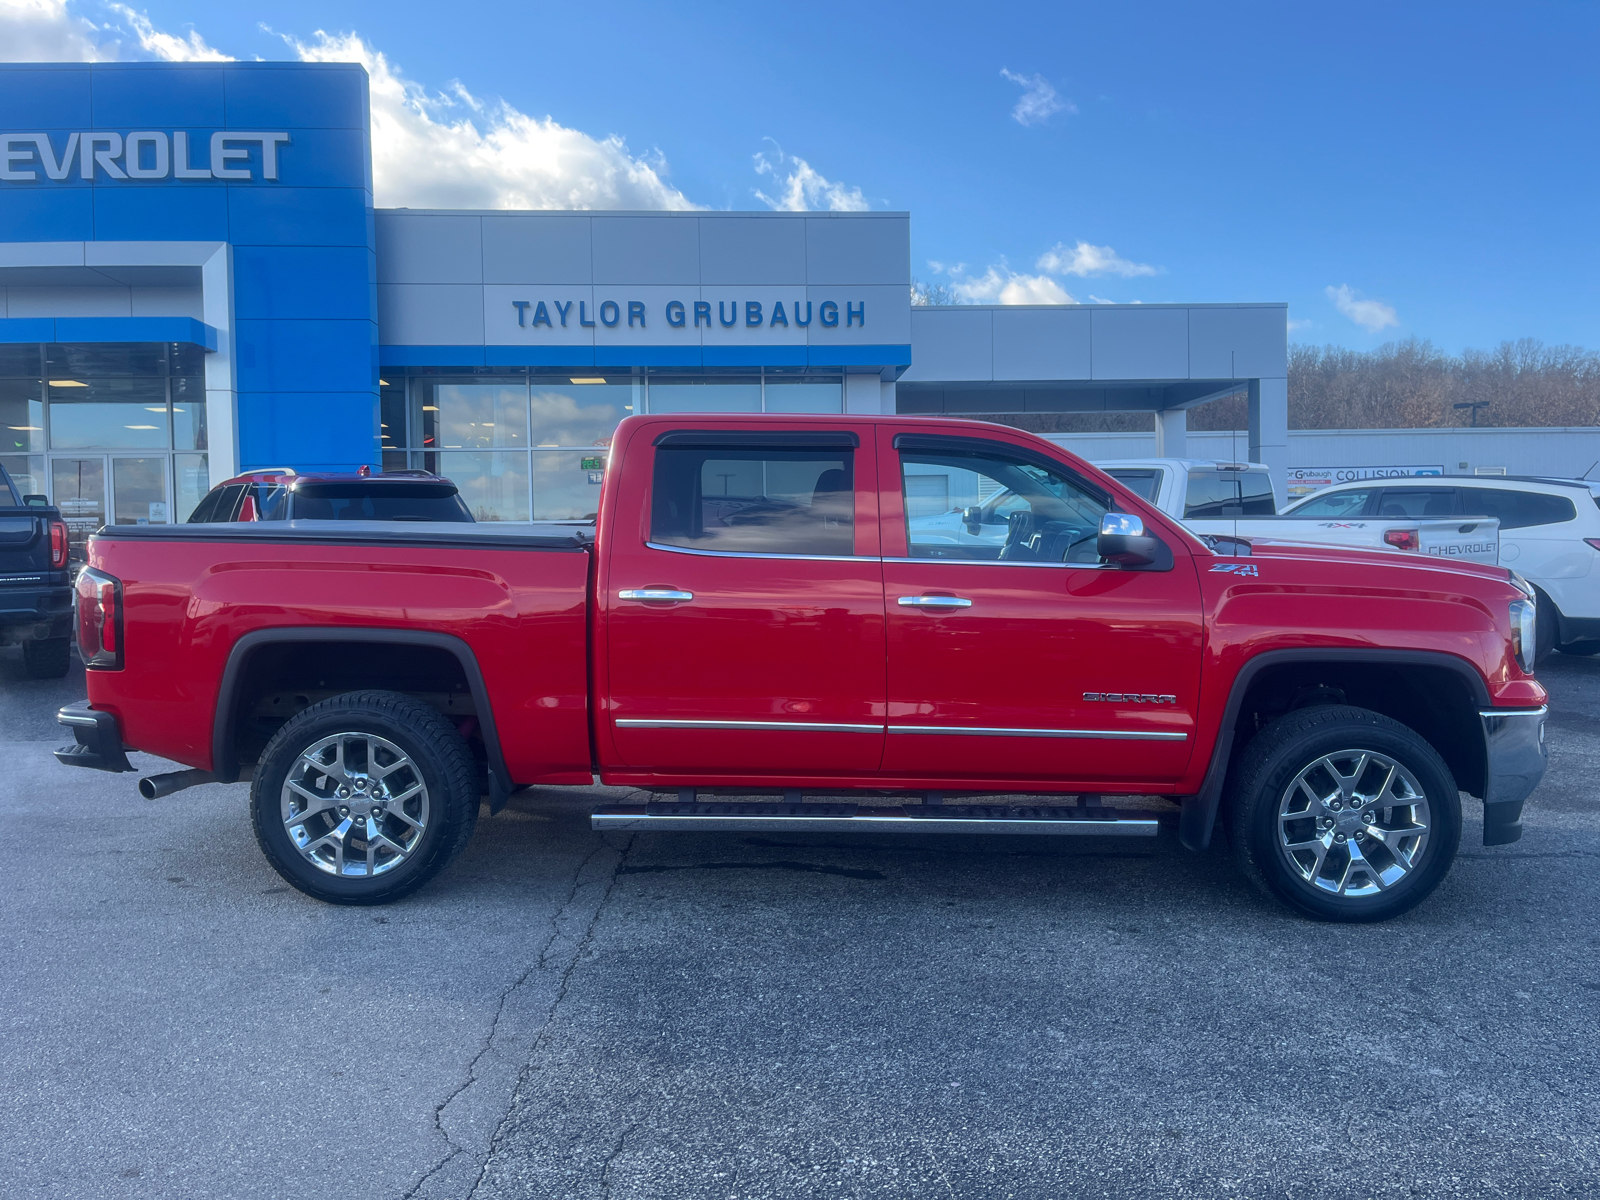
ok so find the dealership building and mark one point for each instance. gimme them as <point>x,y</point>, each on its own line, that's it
<point>194,281</point>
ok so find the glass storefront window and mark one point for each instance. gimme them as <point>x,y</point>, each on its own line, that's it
<point>192,478</point>
<point>493,484</point>
<point>130,422</point>
<point>26,471</point>
<point>188,415</point>
<point>139,491</point>
<point>566,485</point>
<point>392,418</point>
<point>21,416</point>
<point>581,414</point>
<point>20,359</point>
<point>479,414</point>
<point>732,394</point>
<point>804,396</point>
<point>89,359</point>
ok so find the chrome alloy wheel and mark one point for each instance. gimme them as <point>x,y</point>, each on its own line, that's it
<point>354,804</point>
<point>1353,823</point>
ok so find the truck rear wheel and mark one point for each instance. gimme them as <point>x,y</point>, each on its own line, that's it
<point>363,798</point>
<point>47,659</point>
<point>1344,814</point>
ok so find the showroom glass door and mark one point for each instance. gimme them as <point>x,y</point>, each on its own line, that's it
<point>82,484</point>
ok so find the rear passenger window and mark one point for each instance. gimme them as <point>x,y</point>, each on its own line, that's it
<point>1516,510</point>
<point>205,511</point>
<point>1417,503</point>
<point>754,500</point>
<point>219,505</point>
<point>1142,483</point>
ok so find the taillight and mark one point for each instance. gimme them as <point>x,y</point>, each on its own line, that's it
<point>58,544</point>
<point>1402,539</point>
<point>99,620</point>
<point>1595,542</point>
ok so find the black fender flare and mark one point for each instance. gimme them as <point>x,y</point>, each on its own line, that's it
<point>224,760</point>
<point>1199,815</point>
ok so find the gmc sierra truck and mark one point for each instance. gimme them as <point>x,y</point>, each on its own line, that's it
<point>755,635</point>
<point>35,593</point>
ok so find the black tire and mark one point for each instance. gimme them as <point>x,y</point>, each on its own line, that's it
<point>1546,626</point>
<point>1270,767</point>
<point>49,659</point>
<point>438,757</point>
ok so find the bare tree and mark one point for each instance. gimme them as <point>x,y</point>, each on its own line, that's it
<point>925,294</point>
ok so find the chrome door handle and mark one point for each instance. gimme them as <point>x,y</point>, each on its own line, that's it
<point>653,594</point>
<point>935,602</point>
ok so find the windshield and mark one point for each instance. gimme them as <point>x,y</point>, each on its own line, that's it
<point>379,502</point>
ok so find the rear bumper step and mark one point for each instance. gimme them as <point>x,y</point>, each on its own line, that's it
<point>831,818</point>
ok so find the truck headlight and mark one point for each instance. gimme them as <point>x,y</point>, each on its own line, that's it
<point>1524,633</point>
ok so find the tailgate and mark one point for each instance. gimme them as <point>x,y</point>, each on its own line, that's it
<point>1475,541</point>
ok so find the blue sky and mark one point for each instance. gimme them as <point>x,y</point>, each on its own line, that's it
<point>1389,170</point>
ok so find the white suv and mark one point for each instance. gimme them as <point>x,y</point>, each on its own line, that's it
<point>1549,534</point>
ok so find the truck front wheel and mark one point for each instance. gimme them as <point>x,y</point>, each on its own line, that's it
<point>1344,814</point>
<point>363,798</point>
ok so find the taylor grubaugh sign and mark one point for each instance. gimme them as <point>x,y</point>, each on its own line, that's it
<point>751,314</point>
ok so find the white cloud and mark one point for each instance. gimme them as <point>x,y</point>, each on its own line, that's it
<point>1371,315</point>
<point>1085,259</point>
<point>429,150</point>
<point>168,46</point>
<point>1040,100</point>
<point>44,31</point>
<point>428,154</point>
<point>802,188</point>
<point>1001,285</point>
<point>1295,326</point>
<point>939,268</point>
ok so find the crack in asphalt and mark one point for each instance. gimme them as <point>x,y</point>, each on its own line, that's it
<point>605,1167</point>
<point>555,1007</point>
<point>471,1075</point>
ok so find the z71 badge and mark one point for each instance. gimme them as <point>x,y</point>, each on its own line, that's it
<point>1249,569</point>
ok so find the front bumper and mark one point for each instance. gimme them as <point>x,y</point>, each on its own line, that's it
<point>99,739</point>
<point>1516,756</point>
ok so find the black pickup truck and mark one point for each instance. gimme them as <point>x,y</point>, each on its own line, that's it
<point>35,591</point>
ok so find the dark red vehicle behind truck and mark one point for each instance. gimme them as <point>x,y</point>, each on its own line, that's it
<point>759,614</point>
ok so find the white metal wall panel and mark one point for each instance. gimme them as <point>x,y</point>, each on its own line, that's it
<point>954,345</point>
<point>1041,343</point>
<point>436,314</point>
<point>429,248</point>
<point>1141,343</point>
<point>756,249</point>
<point>853,250</point>
<point>1238,343</point>
<point>646,250</point>
<point>537,250</point>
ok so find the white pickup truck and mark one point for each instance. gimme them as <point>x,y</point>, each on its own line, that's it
<point>1223,499</point>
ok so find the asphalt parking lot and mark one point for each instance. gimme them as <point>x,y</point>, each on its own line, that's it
<point>565,1014</point>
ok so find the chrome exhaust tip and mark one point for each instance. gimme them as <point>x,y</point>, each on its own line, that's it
<point>153,787</point>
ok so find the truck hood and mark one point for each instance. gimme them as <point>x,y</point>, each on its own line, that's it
<point>1366,558</point>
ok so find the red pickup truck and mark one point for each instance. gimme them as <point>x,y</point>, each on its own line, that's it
<point>762,632</point>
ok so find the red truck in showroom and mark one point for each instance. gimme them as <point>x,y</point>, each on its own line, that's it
<point>758,632</point>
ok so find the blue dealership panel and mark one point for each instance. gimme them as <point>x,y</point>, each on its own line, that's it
<point>305,313</point>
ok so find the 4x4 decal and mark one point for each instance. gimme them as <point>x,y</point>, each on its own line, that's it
<point>1237,569</point>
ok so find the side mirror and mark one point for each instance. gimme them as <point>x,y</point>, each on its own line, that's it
<point>36,501</point>
<point>1123,541</point>
<point>972,518</point>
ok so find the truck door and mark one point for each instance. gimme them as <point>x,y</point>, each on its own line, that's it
<point>1022,657</point>
<point>743,604</point>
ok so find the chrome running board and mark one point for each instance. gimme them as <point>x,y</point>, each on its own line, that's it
<point>1062,821</point>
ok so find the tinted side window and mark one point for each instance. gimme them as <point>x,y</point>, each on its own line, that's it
<point>272,502</point>
<point>754,500</point>
<point>1417,502</point>
<point>1041,515</point>
<point>1335,504</point>
<point>205,511</point>
<point>1228,494</point>
<point>1517,510</point>
<point>388,502</point>
<point>219,505</point>
<point>1142,483</point>
<point>1255,495</point>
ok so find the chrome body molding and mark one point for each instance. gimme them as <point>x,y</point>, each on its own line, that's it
<point>762,726</point>
<point>1126,735</point>
<point>867,820</point>
<point>1516,753</point>
<point>855,558</point>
